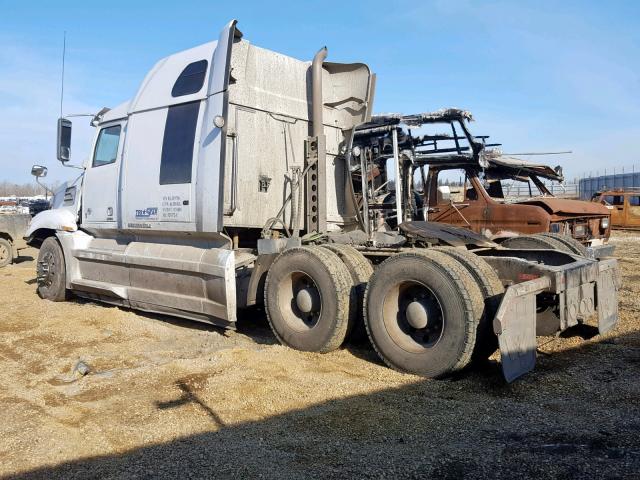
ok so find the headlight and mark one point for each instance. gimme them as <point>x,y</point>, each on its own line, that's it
<point>604,223</point>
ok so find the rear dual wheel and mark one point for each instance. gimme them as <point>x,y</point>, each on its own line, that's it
<point>571,244</point>
<point>361,270</point>
<point>551,241</point>
<point>422,311</point>
<point>425,310</point>
<point>310,299</point>
<point>492,291</point>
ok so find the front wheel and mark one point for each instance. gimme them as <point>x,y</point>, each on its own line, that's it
<point>52,275</point>
<point>6,253</point>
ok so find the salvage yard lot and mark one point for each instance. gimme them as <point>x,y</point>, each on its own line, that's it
<point>172,398</point>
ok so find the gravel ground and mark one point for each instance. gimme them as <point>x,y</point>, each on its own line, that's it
<point>167,398</point>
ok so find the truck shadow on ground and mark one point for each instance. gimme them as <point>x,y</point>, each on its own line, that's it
<point>576,416</point>
<point>23,259</point>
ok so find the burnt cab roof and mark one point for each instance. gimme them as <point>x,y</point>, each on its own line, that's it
<point>458,149</point>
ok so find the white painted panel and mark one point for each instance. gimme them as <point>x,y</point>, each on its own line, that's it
<point>146,203</point>
<point>210,166</point>
<point>155,90</point>
<point>100,191</point>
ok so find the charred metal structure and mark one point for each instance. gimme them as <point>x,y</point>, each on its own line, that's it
<point>483,205</point>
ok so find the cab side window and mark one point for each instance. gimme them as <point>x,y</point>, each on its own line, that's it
<point>106,150</point>
<point>470,193</point>
<point>177,145</point>
<point>614,199</point>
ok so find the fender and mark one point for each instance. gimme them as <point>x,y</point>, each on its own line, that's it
<point>51,220</point>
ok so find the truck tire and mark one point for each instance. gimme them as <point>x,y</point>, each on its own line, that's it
<point>309,299</point>
<point>534,242</point>
<point>492,291</point>
<point>421,312</point>
<point>6,252</point>
<point>51,271</point>
<point>361,270</point>
<point>573,245</point>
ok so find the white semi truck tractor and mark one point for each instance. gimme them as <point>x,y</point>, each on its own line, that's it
<point>231,179</point>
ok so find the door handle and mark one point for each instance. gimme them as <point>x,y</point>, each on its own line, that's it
<point>234,174</point>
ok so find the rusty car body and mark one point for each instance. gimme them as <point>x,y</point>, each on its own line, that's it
<point>486,208</point>
<point>624,206</point>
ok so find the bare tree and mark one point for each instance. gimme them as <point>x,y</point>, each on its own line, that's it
<point>10,189</point>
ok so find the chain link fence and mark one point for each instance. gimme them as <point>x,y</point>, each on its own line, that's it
<point>588,185</point>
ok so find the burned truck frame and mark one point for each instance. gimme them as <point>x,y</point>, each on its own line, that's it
<point>228,181</point>
<point>483,204</point>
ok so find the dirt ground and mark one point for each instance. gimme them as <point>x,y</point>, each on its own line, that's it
<point>175,399</point>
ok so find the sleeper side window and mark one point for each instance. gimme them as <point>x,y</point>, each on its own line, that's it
<point>107,146</point>
<point>191,79</point>
<point>177,146</point>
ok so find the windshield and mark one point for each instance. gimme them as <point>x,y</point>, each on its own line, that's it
<point>513,188</point>
<point>505,189</point>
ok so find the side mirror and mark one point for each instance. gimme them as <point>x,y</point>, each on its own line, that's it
<point>444,193</point>
<point>39,171</point>
<point>64,140</point>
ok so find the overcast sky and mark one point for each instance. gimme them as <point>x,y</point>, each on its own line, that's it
<point>538,76</point>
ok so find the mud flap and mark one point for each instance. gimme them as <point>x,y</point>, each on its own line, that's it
<point>607,300</point>
<point>515,326</point>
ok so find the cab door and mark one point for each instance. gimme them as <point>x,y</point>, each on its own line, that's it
<point>615,203</point>
<point>467,208</point>
<point>100,184</point>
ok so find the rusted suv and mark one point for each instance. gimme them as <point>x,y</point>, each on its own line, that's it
<point>624,206</point>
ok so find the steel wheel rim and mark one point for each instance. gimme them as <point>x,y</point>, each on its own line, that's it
<point>403,325</point>
<point>293,291</point>
<point>46,270</point>
<point>4,253</point>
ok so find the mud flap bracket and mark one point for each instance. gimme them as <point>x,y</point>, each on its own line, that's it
<point>607,297</point>
<point>515,326</point>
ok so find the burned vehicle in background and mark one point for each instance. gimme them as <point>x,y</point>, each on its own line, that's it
<point>483,202</point>
<point>624,205</point>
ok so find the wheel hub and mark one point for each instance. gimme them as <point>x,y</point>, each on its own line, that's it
<point>417,315</point>
<point>308,300</point>
<point>4,253</point>
<point>413,316</point>
<point>46,271</point>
